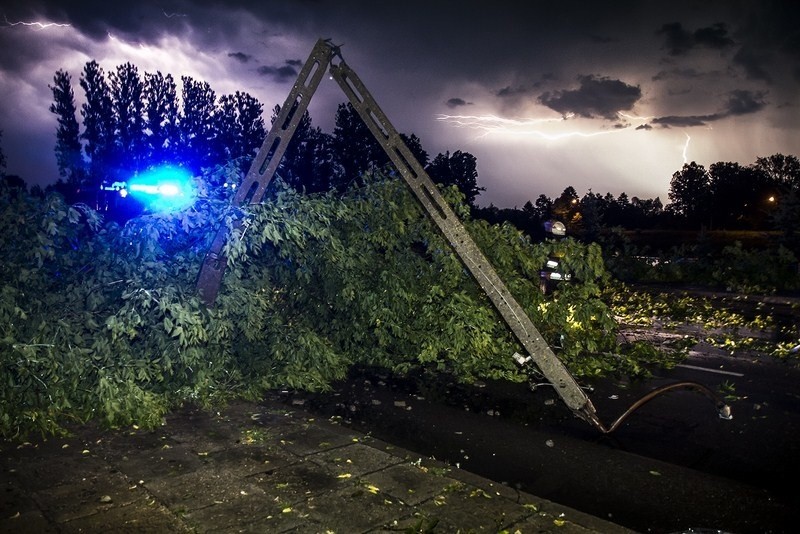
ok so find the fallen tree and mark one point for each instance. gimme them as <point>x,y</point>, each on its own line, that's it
<point>103,321</point>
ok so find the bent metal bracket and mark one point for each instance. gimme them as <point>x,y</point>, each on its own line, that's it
<point>327,57</point>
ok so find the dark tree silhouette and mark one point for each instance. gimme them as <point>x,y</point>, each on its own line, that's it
<point>783,202</point>
<point>239,129</point>
<point>308,164</point>
<point>566,208</point>
<point>690,193</point>
<point>738,196</point>
<point>98,123</point>
<point>592,211</point>
<point>295,168</point>
<point>127,89</point>
<point>161,117</point>
<point>197,124</point>
<point>459,169</point>
<point>414,145</point>
<point>68,145</point>
<point>783,171</point>
<point>355,148</point>
<point>543,207</point>
<point>2,156</point>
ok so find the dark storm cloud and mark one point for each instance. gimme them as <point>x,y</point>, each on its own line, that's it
<point>744,102</point>
<point>596,96</point>
<point>739,102</point>
<point>770,41</point>
<point>602,39</point>
<point>513,92</point>
<point>140,22</point>
<point>753,62</point>
<point>508,91</point>
<point>240,56</point>
<point>685,121</point>
<point>679,41</point>
<point>145,19</point>
<point>457,103</point>
<point>283,73</point>
<point>687,73</point>
<point>715,36</point>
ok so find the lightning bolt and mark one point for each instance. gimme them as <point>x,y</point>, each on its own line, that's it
<point>530,127</point>
<point>686,148</point>
<point>35,24</point>
<point>491,123</point>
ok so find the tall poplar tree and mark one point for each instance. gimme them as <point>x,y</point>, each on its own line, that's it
<point>197,124</point>
<point>239,128</point>
<point>126,90</point>
<point>161,117</point>
<point>98,123</point>
<point>356,150</point>
<point>68,146</point>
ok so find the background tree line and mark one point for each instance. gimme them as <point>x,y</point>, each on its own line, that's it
<point>132,122</point>
<point>727,196</point>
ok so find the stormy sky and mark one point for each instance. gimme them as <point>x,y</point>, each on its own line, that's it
<point>603,96</point>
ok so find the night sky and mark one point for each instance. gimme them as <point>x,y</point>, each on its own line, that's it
<point>603,96</point>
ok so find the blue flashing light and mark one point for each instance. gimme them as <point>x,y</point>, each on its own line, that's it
<point>165,188</point>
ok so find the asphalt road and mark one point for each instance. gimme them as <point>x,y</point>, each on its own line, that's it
<point>672,466</point>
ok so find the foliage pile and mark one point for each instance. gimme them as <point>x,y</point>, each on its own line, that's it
<point>102,321</point>
<point>735,324</point>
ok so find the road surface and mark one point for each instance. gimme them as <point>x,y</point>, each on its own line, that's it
<point>673,465</point>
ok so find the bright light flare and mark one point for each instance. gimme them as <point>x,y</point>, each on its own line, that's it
<point>165,188</point>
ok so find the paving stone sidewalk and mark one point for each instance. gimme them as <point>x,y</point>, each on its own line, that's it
<point>256,467</point>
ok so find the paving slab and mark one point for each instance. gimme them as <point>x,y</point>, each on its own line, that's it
<point>255,467</point>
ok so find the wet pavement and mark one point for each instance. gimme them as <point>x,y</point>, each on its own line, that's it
<point>256,467</point>
<point>675,466</point>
